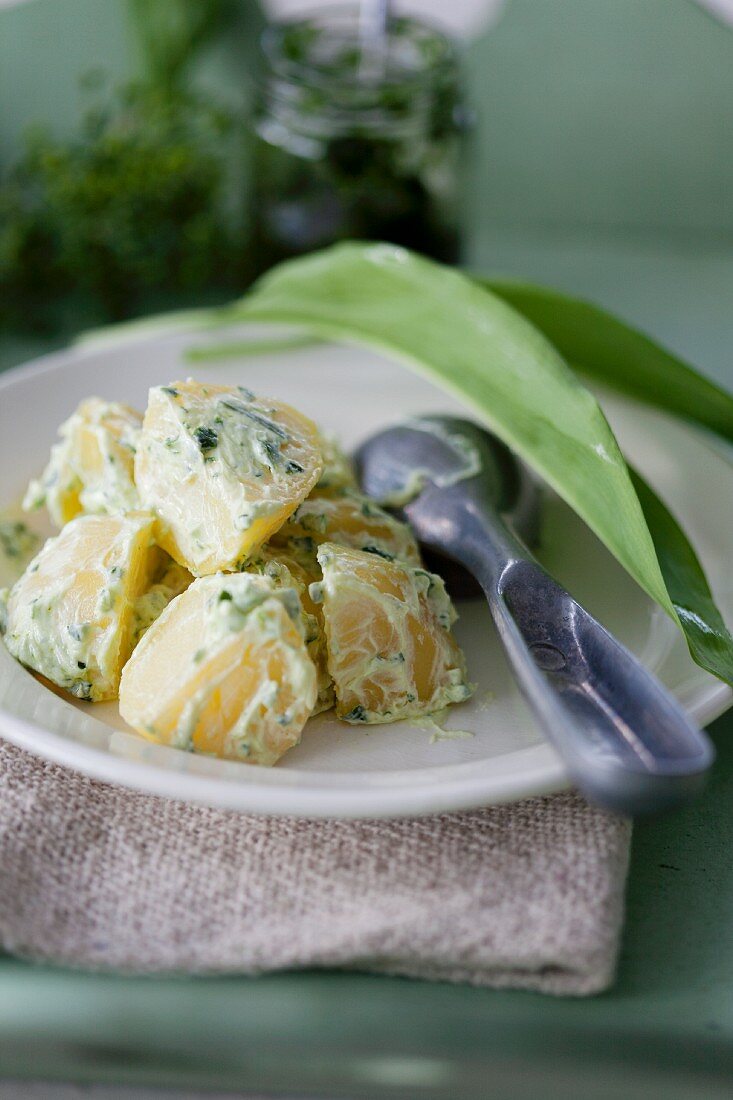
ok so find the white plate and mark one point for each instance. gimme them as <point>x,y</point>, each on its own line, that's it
<point>339,770</point>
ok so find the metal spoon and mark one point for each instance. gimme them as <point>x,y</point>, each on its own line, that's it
<point>627,743</point>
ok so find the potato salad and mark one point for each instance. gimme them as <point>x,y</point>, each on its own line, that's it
<point>217,571</point>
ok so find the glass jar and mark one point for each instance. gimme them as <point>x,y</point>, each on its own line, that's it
<point>356,142</point>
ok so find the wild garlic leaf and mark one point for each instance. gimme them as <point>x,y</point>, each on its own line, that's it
<point>613,353</point>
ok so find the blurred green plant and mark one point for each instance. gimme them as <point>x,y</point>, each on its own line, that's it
<point>135,205</point>
<point>171,33</point>
<point>30,275</point>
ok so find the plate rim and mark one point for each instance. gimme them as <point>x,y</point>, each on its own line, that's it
<point>545,774</point>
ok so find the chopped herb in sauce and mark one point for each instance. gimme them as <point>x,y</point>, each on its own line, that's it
<point>378,551</point>
<point>272,450</point>
<point>233,405</point>
<point>268,425</point>
<point>206,438</point>
<point>305,544</point>
<point>17,540</point>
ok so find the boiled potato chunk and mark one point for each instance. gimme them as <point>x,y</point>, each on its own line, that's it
<point>346,517</point>
<point>91,467</point>
<point>71,616</point>
<point>288,570</point>
<point>222,470</point>
<point>223,671</point>
<point>391,652</point>
<point>350,519</point>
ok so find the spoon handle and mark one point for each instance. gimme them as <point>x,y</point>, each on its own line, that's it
<point>627,743</point>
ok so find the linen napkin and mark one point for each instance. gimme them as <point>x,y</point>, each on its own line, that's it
<point>528,895</point>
